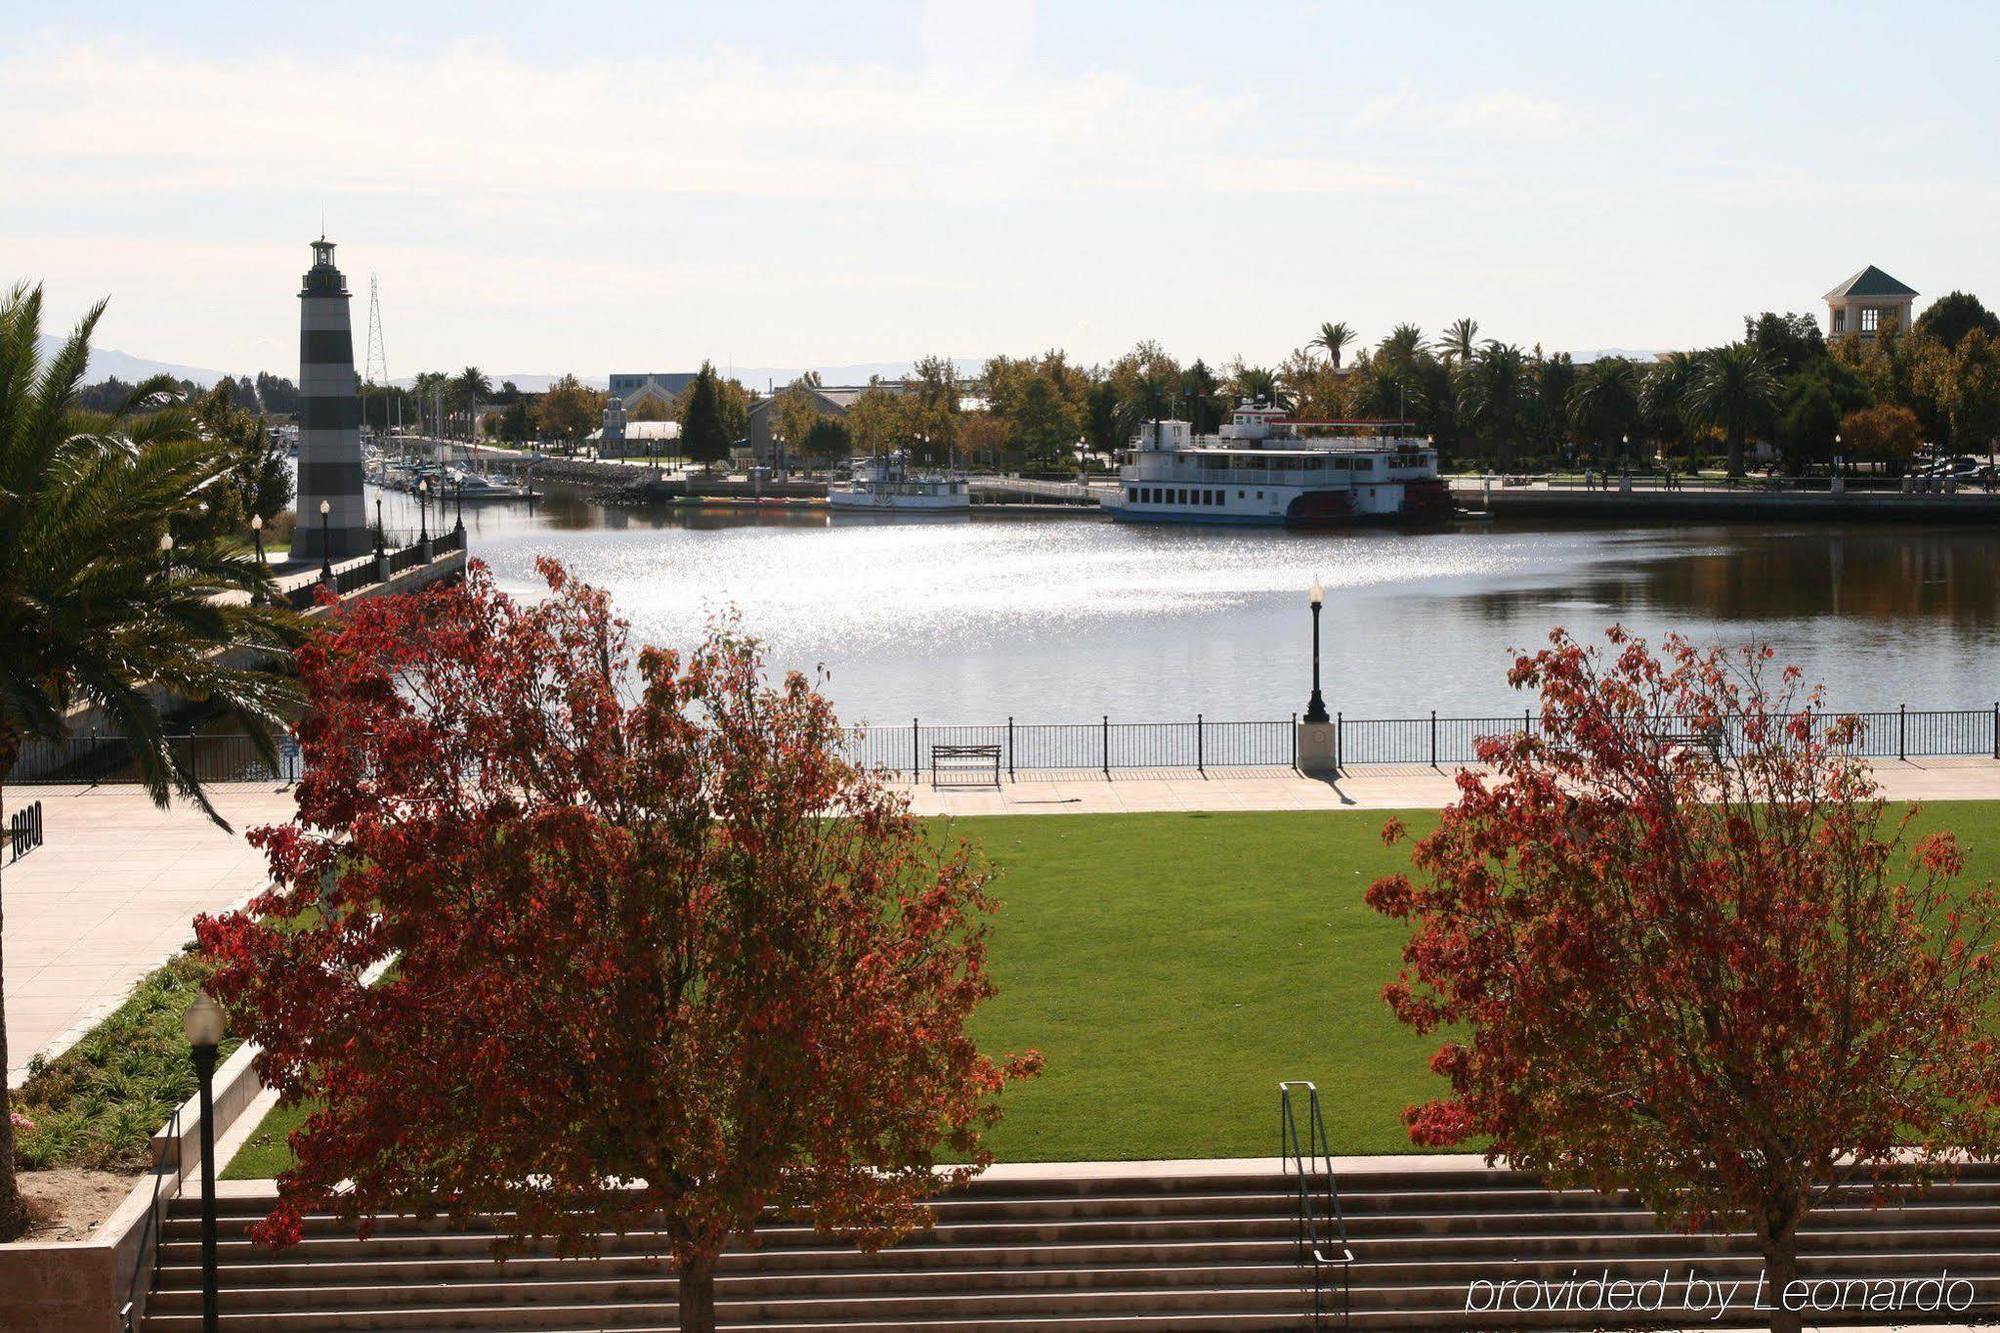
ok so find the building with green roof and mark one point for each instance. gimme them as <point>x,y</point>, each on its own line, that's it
<point>1867,303</point>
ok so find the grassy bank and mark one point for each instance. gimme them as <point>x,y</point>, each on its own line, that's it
<point>1174,967</point>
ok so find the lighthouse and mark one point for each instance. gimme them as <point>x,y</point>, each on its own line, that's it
<point>329,419</point>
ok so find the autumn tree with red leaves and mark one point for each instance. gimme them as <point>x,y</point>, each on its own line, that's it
<point>662,957</point>
<point>1681,947</point>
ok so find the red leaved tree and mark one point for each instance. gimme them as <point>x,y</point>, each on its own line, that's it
<point>661,956</point>
<point>1685,950</point>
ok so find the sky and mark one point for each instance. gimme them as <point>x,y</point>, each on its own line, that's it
<point>593,187</point>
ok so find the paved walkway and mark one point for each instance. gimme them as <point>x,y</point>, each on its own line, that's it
<point>110,896</point>
<point>1388,787</point>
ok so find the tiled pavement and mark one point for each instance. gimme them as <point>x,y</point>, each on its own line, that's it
<point>114,889</point>
<point>109,896</point>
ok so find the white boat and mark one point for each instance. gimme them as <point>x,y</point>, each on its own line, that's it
<point>886,486</point>
<point>1264,467</point>
<point>481,486</point>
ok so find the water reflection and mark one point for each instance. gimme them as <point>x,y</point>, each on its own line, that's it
<point>1062,618</point>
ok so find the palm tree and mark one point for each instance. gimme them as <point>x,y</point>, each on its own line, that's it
<point>1733,391</point>
<point>1460,339</point>
<point>1663,398</point>
<point>1404,345</point>
<point>429,387</point>
<point>470,387</point>
<point>1255,382</point>
<point>1498,394</point>
<point>1150,398</point>
<point>1604,402</point>
<point>95,607</point>
<point>1332,339</point>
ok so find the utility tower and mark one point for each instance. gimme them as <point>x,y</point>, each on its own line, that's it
<point>375,370</point>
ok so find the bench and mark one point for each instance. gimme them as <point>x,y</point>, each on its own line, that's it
<point>949,763</point>
<point>1706,739</point>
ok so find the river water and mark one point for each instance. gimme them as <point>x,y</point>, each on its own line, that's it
<point>1057,618</point>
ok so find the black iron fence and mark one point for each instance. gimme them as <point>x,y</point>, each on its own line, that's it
<point>1106,746</point>
<point>1103,745</point>
<point>354,575</point>
<point>1438,742</point>
<point>95,758</point>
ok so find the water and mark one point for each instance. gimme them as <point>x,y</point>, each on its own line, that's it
<point>1065,619</point>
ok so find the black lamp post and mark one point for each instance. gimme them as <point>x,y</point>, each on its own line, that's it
<point>423,509</point>
<point>461,504</point>
<point>205,1027</point>
<point>1316,706</point>
<point>326,539</point>
<point>381,533</point>
<point>167,554</point>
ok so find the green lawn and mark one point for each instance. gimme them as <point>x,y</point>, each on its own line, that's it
<point>1174,967</point>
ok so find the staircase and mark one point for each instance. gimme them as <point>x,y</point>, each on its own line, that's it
<point>1124,1248</point>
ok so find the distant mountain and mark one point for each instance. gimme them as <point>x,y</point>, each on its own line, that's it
<point>1600,353</point>
<point>109,363</point>
<point>755,378</point>
<point>760,377</point>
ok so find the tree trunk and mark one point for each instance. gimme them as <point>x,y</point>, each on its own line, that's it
<point>696,1298</point>
<point>13,1211</point>
<point>1781,1266</point>
<point>1735,453</point>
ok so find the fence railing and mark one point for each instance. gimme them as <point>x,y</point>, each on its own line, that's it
<point>1104,746</point>
<point>1435,741</point>
<point>361,572</point>
<point>96,758</point>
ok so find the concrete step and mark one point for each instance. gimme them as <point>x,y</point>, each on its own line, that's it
<point>1011,1323</point>
<point>892,1311</point>
<point>1117,1253</point>
<point>181,1288</point>
<point>391,1263</point>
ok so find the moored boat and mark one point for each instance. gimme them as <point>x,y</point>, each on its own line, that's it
<point>1264,467</point>
<point>887,486</point>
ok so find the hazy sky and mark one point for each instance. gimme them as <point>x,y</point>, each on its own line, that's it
<point>597,186</point>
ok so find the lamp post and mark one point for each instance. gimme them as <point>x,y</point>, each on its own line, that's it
<point>167,553</point>
<point>1316,706</point>
<point>381,533</point>
<point>423,509</point>
<point>205,1026</point>
<point>326,540</point>
<point>257,535</point>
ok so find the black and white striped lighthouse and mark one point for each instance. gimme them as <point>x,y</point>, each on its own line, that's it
<point>329,419</point>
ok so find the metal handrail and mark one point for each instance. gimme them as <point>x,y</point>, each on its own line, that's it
<point>150,1239</point>
<point>1315,1155</point>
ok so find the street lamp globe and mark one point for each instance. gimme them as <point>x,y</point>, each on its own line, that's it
<point>204,1022</point>
<point>1316,594</point>
<point>166,541</point>
<point>325,508</point>
<point>256,522</point>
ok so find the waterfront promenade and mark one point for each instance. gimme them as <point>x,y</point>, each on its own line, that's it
<point>1650,499</point>
<point>1359,787</point>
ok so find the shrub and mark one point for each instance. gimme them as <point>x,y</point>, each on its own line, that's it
<point>97,1104</point>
